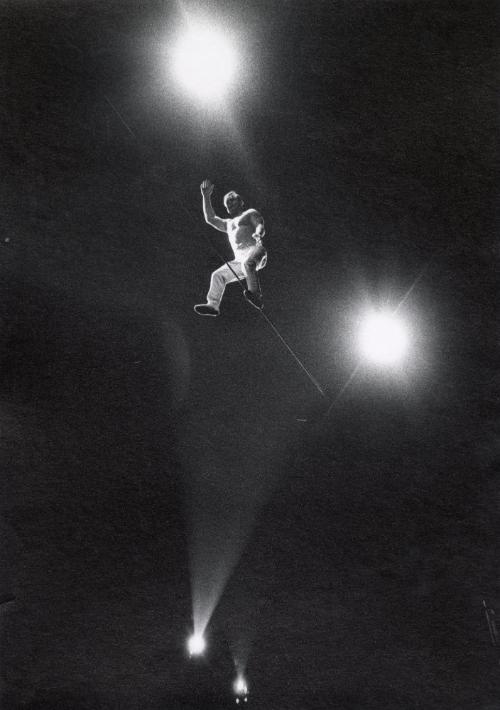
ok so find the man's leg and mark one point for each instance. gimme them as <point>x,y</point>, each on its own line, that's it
<point>225,274</point>
<point>255,261</point>
<point>218,281</point>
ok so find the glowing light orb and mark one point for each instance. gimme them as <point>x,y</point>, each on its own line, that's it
<point>196,645</point>
<point>205,62</point>
<point>383,338</point>
<point>240,686</point>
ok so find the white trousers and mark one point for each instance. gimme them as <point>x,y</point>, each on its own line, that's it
<point>245,266</point>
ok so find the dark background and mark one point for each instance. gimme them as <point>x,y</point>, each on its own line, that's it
<point>149,455</point>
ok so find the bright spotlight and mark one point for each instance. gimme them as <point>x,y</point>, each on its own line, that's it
<point>383,338</point>
<point>196,645</point>
<point>205,62</point>
<point>240,687</point>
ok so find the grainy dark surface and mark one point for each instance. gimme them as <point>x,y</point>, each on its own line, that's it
<point>150,457</point>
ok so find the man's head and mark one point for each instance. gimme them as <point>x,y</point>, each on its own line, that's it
<point>233,203</point>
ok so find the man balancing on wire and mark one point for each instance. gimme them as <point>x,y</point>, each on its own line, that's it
<point>245,231</point>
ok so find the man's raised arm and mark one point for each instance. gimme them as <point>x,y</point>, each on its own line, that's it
<point>211,218</point>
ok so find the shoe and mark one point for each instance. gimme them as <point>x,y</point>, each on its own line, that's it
<point>204,309</point>
<point>255,299</point>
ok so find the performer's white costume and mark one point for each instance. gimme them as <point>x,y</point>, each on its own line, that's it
<point>244,259</point>
<point>245,231</point>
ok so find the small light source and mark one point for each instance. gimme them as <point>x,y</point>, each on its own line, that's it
<point>204,61</point>
<point>196,645</point>
<point>240,687</point>
<point>383,338</point>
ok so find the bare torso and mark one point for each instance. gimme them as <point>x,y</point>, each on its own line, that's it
<point>240,230</point>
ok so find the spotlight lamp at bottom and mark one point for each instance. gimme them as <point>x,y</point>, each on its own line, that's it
<point>241,691</point>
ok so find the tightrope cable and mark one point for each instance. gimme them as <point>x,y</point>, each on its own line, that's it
<point>292,353</point>
<point>274,328</point>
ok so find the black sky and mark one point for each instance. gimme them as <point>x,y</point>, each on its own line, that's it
<point>149,455</point>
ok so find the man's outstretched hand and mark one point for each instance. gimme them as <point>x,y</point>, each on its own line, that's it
<point>207,188</point>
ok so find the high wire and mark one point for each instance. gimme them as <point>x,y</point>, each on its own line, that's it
<point>272,326</point>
